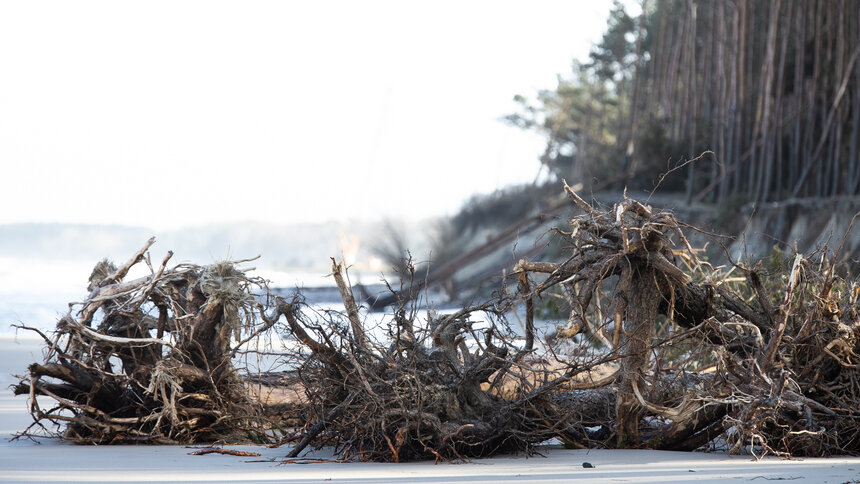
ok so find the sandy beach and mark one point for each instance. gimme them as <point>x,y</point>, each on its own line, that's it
<point>54,461</point>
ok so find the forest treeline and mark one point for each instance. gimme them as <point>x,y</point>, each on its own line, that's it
<point>770,88</point>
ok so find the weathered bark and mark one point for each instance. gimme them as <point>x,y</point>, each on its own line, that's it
<point>638,330</point>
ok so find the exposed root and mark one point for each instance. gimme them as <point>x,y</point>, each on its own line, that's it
<point>149,360</point>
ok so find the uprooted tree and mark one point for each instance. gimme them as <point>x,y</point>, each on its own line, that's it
<point>661,350</point>
<point>781,350</point>
<point>151,359</point>
<point>785,358</point>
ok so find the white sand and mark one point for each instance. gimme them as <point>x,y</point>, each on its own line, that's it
<point>53,461</point>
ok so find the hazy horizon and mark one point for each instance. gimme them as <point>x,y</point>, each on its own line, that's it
<point>168,114</point>
<point>194,120</point>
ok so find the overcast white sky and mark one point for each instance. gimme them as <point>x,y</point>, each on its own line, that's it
<point>174,113</point>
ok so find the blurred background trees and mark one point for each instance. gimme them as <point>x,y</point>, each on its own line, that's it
<point>726,104</point>
<point>771,87</point>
